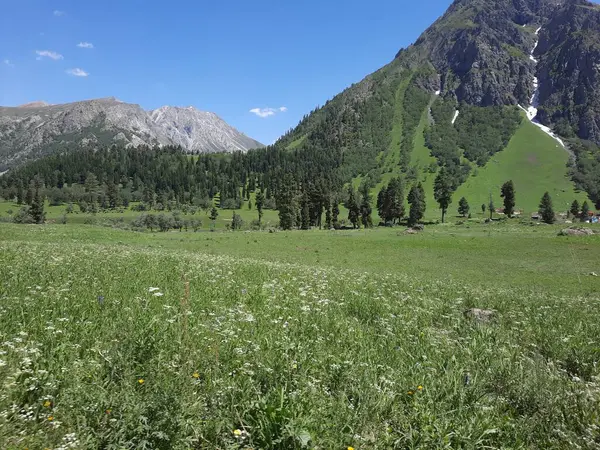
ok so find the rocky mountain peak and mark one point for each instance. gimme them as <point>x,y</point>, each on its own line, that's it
<point>37,128</point>
<point>38,104</point>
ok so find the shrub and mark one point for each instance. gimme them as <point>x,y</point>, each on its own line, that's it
<point>23,216</point>
<point>236,222</point>
<point>231,203</point>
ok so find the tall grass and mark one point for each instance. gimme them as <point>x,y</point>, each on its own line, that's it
<point>115,346</point>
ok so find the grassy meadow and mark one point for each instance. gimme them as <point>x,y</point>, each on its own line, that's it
<point>535,162</point>
<point>321,340</point>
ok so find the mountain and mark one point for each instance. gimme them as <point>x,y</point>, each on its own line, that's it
<point>459,95</point>
<point>35,129</point>
<point>200,131</point>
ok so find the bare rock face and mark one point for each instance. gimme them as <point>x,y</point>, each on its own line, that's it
<point>200,131</point>
<point>569,71</point>
<point>36,129</point>
<point>481,51</point>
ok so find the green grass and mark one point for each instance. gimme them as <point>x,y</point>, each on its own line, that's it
<point>297,143</point>
<point>391,158</point>
<point>297,340</point>
<point>54,213</point>
<point>536,164</point>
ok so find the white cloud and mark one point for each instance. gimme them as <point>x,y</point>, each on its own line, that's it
<point>85,45</point>
<point>47,53</point>
<point>267,112</point>
<point>8,63</point>
<point>58,13</point>
<point>77,72</point>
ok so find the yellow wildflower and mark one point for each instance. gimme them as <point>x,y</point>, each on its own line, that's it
<point>47,404</point>
<point>410,392</point>
<point>196,375</point>
<point>419,388</point>
<point>237,432</point>
<point>350,448</point>
<point>141,381</point>
<point>50,419</point>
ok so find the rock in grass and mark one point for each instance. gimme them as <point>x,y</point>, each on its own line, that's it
<point>576,231</point>
<point>480,315</point>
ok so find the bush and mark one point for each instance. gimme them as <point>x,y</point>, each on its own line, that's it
<point>23,216</point>
<point>270,204</point>
<point>195,224</point>
<point>231,203</point>
<point>203,203</point>
<point>236,222</point>
<point>165,223</point>
<point>83,206</point>
<point>256,225</point>
<point>139,223</point>
<point>140,207</point>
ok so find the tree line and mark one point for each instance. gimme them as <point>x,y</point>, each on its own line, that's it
<point>306,192</point>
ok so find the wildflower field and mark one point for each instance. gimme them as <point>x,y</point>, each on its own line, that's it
<point>322,340</point>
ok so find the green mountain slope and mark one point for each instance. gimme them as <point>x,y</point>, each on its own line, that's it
<point>535,163</point>
<point>475,58</point>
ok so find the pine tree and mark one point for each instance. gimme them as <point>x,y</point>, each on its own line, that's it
<point>20,193</point>
<point>483,208</point>
<point>287,203</point>
<point>260,201</point>
<point>508,194</point>
<point>92,188</point>
<point>491,207</point>
<point>463,207</point>
<point>236,221</point>
<point>365,206</point>
<point>390,201</point>
<point>328,219</point>
<point>546,210</point>
<point>335,214</point>
<point>352,207</point>
<point>585,211</point>
<point>381,203</point>
<point>213,216</point>
<point>112,193</point>
<point>250,205</point>
<point>442,191</point>
<point>305,213</point>
<point>395,200</point>
<point>574,208</point>
<point>416,199</point>
<point>29,195</point>
<point>37,204</point>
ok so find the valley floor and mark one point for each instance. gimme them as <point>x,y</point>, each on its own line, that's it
<point>117,339</point>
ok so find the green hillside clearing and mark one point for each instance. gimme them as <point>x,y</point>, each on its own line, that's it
<point>535,163</point>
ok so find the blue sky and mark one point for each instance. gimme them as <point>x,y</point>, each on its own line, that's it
<point>225,56</point>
